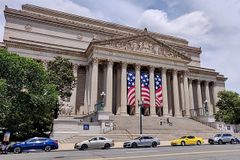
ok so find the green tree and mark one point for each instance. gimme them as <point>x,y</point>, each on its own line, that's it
<point>27,99</point>
<point>61,74</point>
<point>229,107</point>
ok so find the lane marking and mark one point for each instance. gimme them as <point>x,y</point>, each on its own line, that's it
<point>166,155</point>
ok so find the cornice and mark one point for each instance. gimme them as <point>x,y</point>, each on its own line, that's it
<point>186,48</point>
<point>42,48</point>
<point>65,23</point>
<point>200,70</point>
<point>102,26</point>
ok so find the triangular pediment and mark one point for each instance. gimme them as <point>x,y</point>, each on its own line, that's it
<point>142,44</point>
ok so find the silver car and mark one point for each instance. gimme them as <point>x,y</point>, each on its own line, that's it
<point>142,141</point>
<point>222,139</point>
<point>95,142</point>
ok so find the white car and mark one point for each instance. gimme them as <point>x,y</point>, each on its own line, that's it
<point>94,143</point>
<point>142,141</point>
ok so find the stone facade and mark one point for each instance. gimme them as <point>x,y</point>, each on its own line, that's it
<point>102,53</point>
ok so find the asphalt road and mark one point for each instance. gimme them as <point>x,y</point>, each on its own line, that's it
<point>203,152</point>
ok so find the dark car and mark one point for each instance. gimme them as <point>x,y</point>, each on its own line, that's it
<point>36,143</point>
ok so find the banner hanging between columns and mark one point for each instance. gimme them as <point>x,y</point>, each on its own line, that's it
<point>145,92</point>
<point>158,92</point>
<point>131,97</point>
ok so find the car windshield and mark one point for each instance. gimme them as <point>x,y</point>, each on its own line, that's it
<point>183,137</point>
<point>137,138</point>
<point>217,135</point>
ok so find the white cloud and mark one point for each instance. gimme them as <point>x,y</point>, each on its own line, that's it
<point>190,25</point>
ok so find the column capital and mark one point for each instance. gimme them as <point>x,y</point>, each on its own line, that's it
<point>164,69</point>
<point>186,73</point>
<point>198,81</point>
<point>175,71</point>
<point>206,82</point>
<point>75,67</point>
<point>137,66</point>
<point>190,80</point>
<point>151,68</point>
<point>124,65</point>
<point>110,62</point>
<point>95,60</point>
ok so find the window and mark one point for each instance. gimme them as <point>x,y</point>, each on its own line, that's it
<point>191,137</point>
<point>94,139</point>
<point>102,138</point>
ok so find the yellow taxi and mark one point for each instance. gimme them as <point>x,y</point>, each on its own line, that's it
<point>187,140</point>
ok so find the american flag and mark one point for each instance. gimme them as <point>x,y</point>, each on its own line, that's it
<point>131,88</point>
<point>145,92</point>
<point>158,90</point>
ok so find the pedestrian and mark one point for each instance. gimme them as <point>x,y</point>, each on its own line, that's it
<point>4,148</point>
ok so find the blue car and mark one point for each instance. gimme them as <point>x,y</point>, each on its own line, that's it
<point>36,143</point>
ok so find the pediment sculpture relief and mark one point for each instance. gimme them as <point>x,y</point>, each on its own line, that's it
<point>143,45</point>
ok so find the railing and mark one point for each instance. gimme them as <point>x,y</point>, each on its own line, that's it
<point>128,134</point>
<point>197,112</point>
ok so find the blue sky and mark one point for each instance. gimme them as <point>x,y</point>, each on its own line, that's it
<point>212,25</point>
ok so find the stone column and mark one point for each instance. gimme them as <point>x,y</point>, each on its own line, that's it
<point>124,89</point>
<point>170,97</point>
<point>176,94</point>
<point>138,88</point>
<point>186,92</point>
<point>152,92</point>
<point>191,95</point>
<point>85,109</point>
<point>215,97</point>
<point>94,84</point>
<point>210,108</point>
<point>164,92</point>
<point>89,86</point>
<point>199,94</point>
<point>73,97</point>
<point>109,87</point>
<point>182,93</point>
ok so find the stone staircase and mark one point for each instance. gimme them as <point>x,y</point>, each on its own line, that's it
<point>127,127</point>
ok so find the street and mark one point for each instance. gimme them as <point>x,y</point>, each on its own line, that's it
<point>203,152</point>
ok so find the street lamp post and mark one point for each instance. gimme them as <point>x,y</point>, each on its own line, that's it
<point>140,104</point>
<point>102,100</point>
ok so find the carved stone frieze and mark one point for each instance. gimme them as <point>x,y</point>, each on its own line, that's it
<point>143,44</point>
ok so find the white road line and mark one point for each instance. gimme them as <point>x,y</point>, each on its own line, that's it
<point>166,155</point>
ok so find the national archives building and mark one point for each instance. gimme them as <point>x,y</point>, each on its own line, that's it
<point>104,54</point>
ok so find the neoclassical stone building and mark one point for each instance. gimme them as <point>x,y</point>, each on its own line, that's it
<point>103,53</point>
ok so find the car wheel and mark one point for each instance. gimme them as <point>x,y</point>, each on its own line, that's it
<point>154,144</point>
<point>17,150</point>
<point>84,147</point>
<point>198,142</point>
<point>47,149</point>
<point>210,142</point>
<point>183,143</point>
<point>107,146</point>
<point>232,141</point>
<point>220,142</point>
<point>134,145</point>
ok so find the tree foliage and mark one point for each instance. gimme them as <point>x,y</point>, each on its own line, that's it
<point>229,107</point>
<point>27,99</point>
<point>61,74</point>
